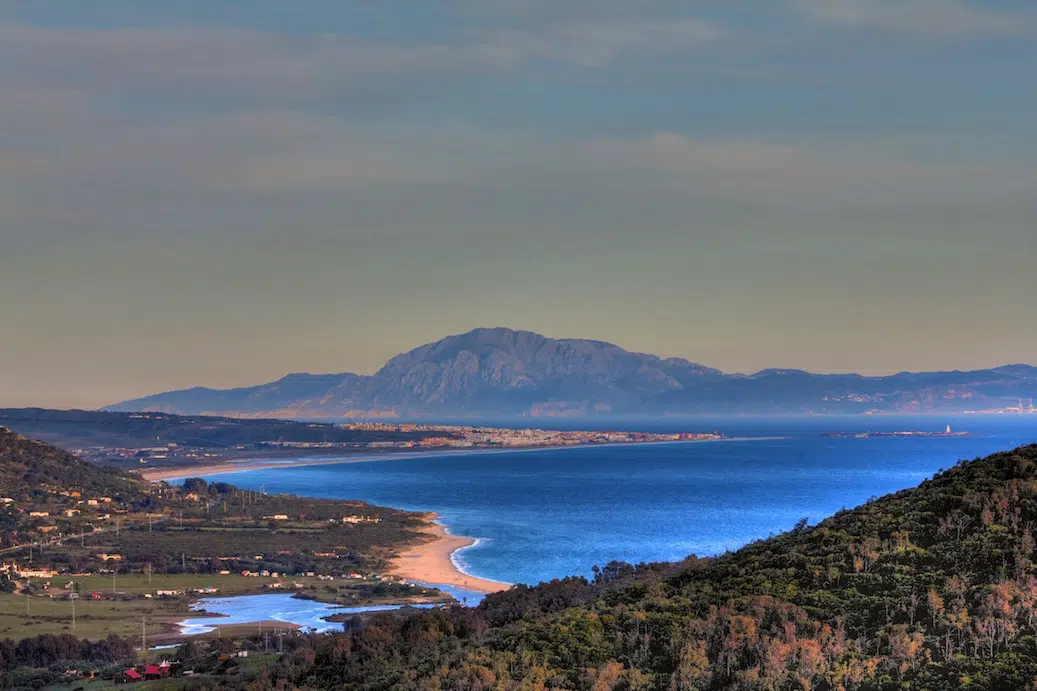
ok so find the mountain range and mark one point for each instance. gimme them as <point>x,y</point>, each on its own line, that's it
<point>501,372</point>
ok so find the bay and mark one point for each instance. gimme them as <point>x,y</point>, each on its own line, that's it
<point>550,513</point>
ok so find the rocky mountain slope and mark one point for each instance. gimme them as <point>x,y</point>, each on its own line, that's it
<point>502,372</point>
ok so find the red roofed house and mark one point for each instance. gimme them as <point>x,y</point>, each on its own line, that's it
<point>156,671</point>
<point>129,676</point>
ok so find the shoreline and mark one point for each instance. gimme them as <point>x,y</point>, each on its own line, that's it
<point>249,465</point>
<point>433,561</point>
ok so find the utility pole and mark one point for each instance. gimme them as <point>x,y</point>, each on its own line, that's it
<point>73,612</point>
<point>144,634</point>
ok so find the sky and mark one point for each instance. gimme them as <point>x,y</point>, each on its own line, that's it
<point>217,192</point>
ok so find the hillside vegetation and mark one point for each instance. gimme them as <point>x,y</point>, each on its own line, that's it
<point>931,588</point>
<point>28,467</point>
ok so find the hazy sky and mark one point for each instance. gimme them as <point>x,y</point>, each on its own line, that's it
<point>219,192</point>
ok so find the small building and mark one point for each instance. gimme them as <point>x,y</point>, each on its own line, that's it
<point>39,514</point>
<point>128,676</point>
<point>38,573</point>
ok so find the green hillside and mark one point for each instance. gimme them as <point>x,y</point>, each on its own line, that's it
<point>28,466</point>
<point>931,588</point>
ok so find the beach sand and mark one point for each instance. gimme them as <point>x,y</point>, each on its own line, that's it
<point>245,465</point>
<point>429,562</point>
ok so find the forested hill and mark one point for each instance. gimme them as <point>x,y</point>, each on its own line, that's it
<point>931,588</point>
<point>29,466</point>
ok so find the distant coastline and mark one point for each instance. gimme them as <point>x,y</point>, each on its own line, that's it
<point>251,464</point>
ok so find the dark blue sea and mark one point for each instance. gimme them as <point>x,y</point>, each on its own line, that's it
<point>550,513</point>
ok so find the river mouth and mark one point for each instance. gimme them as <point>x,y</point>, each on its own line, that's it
<point>282,610</point>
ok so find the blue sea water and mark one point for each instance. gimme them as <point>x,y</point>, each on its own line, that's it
<point>551,513</point>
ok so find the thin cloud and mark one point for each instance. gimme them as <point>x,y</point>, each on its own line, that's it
<point>598,43</point>
<point>248,61</point>
<point>933,18</point>
<point>242,60</point>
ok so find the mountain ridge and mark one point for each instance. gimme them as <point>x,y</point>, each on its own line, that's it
<point>505,372</point>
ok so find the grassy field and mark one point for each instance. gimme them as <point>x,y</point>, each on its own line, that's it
<point>139,584</point>
<point>121,610</point>
<point>116,613</point>
<point>94,619</point>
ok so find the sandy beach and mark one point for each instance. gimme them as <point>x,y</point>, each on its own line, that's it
<point>246,465</point>
<point>179,473</point>
<point>429,562</point>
